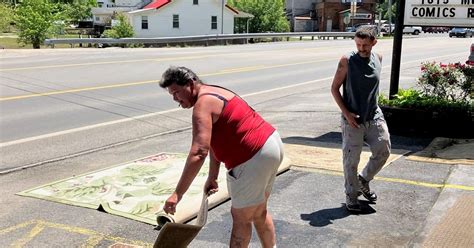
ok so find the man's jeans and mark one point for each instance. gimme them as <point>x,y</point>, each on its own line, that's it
<point>375,134</point>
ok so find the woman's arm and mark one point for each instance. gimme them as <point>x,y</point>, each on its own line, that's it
<point>211,185</point>
<point>202,131</point>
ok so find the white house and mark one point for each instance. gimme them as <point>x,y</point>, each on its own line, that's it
<point>171,18</point>
<point>105,9</point>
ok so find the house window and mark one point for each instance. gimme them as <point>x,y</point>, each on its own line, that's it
<point>175,21</point>
<point>144,22</point>
<point>97,19</point>
<point>195,2</point>
<point>213,22</point>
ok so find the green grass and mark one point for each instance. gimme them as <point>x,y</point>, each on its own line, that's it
<point>10,41</point>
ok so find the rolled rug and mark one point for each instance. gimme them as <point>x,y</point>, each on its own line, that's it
<point>180,235</point>
<point>162,218</point>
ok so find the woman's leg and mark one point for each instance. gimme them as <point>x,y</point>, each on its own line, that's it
<point>242,225</point>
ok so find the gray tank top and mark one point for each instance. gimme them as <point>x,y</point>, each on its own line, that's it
<point>361,87</point>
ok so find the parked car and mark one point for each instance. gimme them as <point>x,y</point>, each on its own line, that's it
<point>386,28</point>
<point>415,30</point>
<point>470,60</point>
<point>435,29</point>
<point>350,29</point>
<point>460,32</point>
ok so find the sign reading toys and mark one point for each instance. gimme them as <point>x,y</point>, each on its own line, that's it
<point>458,13</point>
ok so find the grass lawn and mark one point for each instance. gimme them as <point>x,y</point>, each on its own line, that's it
<point>9,41</point>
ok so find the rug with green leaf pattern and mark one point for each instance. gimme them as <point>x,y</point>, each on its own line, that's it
<point>135,190</point>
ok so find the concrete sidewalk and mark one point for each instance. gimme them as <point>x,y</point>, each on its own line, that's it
<point>420,205</point>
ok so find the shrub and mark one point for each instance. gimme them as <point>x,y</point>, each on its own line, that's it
<point>416,99</point>
<point>443,87</point>
<point>122,30</point>
<point>453,82</point>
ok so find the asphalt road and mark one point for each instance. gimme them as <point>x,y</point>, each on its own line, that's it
<point>52,101</point>
<point>72,111</point>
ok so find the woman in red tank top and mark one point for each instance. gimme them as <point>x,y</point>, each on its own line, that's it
<point>227,129</point>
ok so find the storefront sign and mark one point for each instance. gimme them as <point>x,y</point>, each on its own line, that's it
<point>458,13</point>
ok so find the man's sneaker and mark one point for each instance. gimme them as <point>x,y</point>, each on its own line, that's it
<point>365,190</point>
<point>352,204</point>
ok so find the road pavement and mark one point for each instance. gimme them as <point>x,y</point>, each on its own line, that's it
<point>416,202</point>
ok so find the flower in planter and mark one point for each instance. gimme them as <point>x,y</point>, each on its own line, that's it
<point>442,106</point>
<point>452,82</point>
<point>442,87</point>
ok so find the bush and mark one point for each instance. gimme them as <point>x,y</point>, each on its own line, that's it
<point>7,16</point>
<point>452,82</point>
<point>122,30</point>
<point>416,99</point>
<point>443,87</point>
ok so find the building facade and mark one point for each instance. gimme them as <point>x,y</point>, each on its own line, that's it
<point>328,15</point>
<point>172,18</point>
<point>301,15</point>
<point>334,15</point>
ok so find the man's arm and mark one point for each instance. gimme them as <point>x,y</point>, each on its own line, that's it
<point>339,77</point>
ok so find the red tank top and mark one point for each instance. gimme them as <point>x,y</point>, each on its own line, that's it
<point>239,133</point>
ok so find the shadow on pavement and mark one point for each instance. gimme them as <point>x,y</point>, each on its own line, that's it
<point>326,216</point>
<point>334,140</point>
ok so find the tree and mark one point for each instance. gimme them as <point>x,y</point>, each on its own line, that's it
<point>79,10</point>
<point>269,15</point>
<point>6,17</point>
<point>36,20</point>
<point>382,6</point>
<point>121,30</point>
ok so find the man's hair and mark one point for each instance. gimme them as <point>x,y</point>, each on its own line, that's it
<point>366,32</point>
<point>177,75</point>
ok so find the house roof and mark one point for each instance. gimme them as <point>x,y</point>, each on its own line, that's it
<point>156,4</point>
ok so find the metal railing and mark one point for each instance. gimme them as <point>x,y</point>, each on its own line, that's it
<point>200,38</point>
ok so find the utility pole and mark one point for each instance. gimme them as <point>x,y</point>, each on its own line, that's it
<point>353,11</point>
<point>390,16</point>
<point>397,49</point>
<point>293,15</point>
<point>222,18</point>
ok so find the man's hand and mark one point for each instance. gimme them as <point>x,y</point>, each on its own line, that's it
<point>170,204</point>
<point>211,186</point>
<point>351,118</point>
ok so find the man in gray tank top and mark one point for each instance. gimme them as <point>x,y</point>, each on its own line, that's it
<point>362,120</point>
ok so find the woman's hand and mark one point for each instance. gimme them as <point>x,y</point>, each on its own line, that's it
<point>211,186</point>
<point>170,204</point>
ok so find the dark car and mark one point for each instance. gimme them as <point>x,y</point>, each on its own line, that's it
<point>460,32</point>
<point>470,60</point>
<point>435,29</point>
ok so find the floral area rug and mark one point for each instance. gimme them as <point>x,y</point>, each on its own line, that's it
<point>135,190</point>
